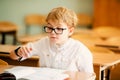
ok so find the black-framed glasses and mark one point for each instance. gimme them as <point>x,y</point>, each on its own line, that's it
<point>56,30</point>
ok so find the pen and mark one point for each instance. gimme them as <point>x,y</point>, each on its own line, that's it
<point>20,59</point>
<point>16,52</point>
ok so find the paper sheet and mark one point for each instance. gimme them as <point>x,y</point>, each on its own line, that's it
<point>30,73</point>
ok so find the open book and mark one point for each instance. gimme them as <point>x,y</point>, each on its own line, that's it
<point>32,73</point>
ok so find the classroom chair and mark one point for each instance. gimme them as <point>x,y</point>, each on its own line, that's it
<point>32,21</point>
<point>84,20</point>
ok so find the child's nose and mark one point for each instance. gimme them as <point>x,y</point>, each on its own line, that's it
<point>53,32</point>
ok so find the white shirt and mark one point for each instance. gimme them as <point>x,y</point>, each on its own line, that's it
<point>72,55</point>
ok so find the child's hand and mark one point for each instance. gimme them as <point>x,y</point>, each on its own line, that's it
<point>24,51</point>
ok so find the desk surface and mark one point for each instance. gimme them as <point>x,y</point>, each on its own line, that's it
<point>7,48</point>
<point>4,54</point>
<point>72,75</point>
<point>30,38</point>
<point>106,59</point>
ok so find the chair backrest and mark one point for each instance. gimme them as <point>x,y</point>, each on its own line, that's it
<point>34,19</point>
<point>2,62</point>
<point>84,20</point>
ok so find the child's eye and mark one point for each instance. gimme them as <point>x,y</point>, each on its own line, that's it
<point>50,28</point>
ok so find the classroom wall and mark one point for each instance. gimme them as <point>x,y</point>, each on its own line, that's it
<point>15,10</point>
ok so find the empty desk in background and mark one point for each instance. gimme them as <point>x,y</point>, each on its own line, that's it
<point>30,38</point>
<point>8,28</point>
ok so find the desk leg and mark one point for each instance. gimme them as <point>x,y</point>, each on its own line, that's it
<point>102,75</point>
<point>107,74</point>
<point>3,38</point>
<point>97,69</point>
<point>14,38</point>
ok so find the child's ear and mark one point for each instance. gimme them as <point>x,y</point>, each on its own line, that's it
<point>71,30</point>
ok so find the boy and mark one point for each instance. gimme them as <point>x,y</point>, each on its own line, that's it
<point>58,50</point>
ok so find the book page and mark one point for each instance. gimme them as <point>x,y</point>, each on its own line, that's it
<point>32,73</point>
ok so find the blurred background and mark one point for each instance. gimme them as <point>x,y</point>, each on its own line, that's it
<point>16,10</point>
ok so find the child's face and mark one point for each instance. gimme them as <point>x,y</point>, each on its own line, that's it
<point>58,33</point>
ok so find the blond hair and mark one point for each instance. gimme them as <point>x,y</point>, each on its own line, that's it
<point>62,14</point>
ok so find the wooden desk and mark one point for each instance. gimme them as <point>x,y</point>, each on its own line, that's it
<point>30,38</point>
<point>72,75</point>
<point>8,28</point>
<point>4,54</point>
<point>7,48</point>
<point>104,62</point>
<point>113,47</point>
